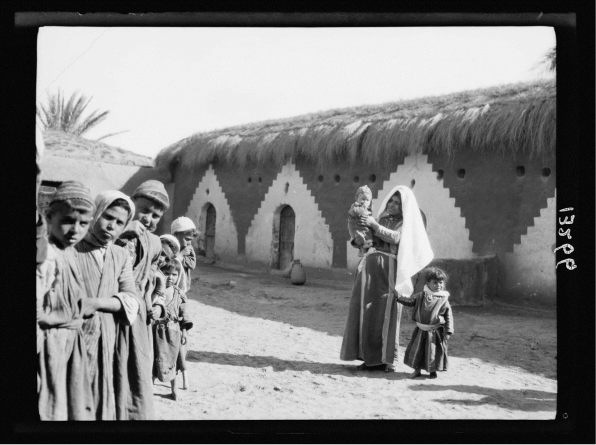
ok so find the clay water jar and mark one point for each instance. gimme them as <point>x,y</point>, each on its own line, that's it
<point>297,275</point>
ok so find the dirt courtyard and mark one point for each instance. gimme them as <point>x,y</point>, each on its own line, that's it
<point>262,348</point>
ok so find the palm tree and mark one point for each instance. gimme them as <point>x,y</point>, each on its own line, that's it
<point>68,117</point>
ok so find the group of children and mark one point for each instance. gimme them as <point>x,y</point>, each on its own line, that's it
<point>110,301</point>
<point>432,312</point>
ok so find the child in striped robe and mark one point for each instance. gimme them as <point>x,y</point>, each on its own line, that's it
<point>434,325</point>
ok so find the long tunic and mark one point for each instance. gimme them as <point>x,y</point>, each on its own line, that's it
<point>168,350</point>
<point>136,391</point>
<point>372,327</point>
<point>108,273</point>
<point>189,262</point>
<point>64,389</point>
<point>428,349</point>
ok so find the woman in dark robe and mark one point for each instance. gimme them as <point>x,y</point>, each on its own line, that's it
<point>400,250</point>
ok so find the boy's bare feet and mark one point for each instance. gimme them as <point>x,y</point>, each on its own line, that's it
<point>389,368</point>
<point>415,374</point>
<point>433,375</point>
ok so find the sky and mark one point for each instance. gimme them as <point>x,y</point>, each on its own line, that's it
<point>165,84</point>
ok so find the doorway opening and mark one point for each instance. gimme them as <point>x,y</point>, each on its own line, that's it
<point>210,232</point>
<point>284,229</point>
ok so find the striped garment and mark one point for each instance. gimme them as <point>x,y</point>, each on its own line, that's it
<point>428,347</point>
<point>108,273</point>
<point>64,389</point>
<point>372,327</point>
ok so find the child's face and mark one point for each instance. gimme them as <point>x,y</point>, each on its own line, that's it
<point>436,285</point>
<point>147,212</point>
<point>183,240</point>
<point>363,200</point>
<point>70,226</point>
<point>110,224</point>
<point>171,278</point>
<point>166,253</point>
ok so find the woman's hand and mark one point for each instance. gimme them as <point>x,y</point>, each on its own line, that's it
<point>368,221</point>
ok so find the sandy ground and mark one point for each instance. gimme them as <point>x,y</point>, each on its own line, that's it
<point>264,349</point>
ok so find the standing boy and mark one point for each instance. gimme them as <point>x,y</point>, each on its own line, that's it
<point>64,388</point>
<point>151,201</point>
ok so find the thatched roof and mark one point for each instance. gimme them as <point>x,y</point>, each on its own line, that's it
<point>66,145</point>
<point>517,117</point>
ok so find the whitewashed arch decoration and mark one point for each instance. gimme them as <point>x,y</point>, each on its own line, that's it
<point>446,228</point>
<point>313,244</point>
<point>226,235</point>
<point>531,266</point>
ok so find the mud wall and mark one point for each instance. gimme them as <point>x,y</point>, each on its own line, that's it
<point>477,204</point>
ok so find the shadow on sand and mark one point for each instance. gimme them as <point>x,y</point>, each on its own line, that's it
<point>517,399</point>
<point>279,365</point>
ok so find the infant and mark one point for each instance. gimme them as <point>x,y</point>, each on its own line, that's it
<point>361,235</point>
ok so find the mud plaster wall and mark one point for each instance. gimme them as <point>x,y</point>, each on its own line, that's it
<point>208,192</point>
<point>487,212</point>
<point>97,176</point>
<point>313,243</point>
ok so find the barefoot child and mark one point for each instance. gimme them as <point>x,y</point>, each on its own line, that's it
<point>110,290</point>
<point>361,235</point>
<point>169,334</point>
<point>434,325</point>
<point>169,248</point>
<point>64,387</point>
<point>185,231</point>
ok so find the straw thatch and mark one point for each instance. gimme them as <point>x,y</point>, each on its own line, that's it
<point>68,145</point>
<point>518,117</point>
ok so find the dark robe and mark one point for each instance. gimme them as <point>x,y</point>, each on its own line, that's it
<point>372,327</point>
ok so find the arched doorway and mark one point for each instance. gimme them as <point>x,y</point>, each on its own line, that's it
<point>287,220</point>
<point>210,232</point>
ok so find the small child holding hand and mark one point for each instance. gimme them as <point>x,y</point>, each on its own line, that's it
<point>434,325</point>
<point>169,332</point>
<point>362,236</point>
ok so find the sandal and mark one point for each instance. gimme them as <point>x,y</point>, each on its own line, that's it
<point>362,367</point>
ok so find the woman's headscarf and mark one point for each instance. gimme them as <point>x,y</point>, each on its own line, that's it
<point>102,201</point>
<point>414,251</point>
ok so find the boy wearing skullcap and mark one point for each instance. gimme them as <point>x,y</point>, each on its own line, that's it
<point>185,231</point>
<point>151,201</point>
<point>361,235</point>
<point>64,388</point>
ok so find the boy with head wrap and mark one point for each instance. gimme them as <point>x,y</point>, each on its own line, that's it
<point>64,389</point>
<point>110,288</point>
<point>361,235</point>
<point>185,231</point>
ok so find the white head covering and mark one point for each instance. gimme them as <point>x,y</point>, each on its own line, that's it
<point>173,240</point>
<point>102,201</point>
<point>182,224</point>
<point>414,251</point>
